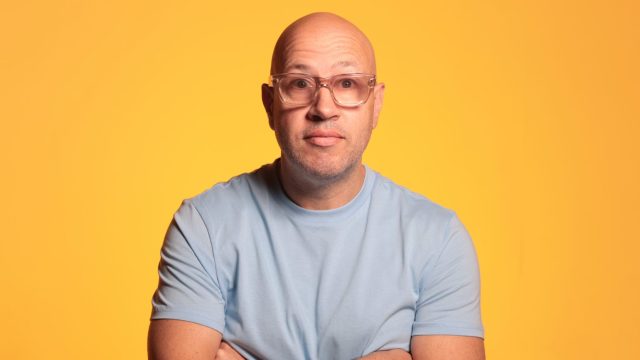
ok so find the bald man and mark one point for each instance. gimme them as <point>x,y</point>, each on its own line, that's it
<point>317,256</point>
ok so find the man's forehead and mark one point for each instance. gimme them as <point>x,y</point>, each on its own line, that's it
<point>340,65</point>
<point>325,38</point>
<point>326,53</point>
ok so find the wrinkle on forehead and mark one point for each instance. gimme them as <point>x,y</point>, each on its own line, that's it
<point>323,31</point>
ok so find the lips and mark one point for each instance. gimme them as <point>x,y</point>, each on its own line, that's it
<point>323,137</point>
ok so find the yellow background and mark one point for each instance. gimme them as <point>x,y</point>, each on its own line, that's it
<point>520,115</point>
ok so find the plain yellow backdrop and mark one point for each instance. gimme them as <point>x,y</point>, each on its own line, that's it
<point>522,116</point>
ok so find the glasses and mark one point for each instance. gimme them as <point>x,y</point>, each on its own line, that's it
<point>349,90</point>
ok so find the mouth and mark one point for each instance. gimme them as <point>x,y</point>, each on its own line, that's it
<point>323,138</point>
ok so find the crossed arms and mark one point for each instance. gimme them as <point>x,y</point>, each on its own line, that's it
<point>177,339</point>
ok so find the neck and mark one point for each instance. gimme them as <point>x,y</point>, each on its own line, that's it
<point>320,194</point>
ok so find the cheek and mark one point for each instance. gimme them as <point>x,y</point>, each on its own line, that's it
<point>285,133</point>
<point>361,124</point>
<point>369,115</point>
<point>289,122</point>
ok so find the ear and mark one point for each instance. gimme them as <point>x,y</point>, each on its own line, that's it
<point>378,94</point>
<point>267,101</point>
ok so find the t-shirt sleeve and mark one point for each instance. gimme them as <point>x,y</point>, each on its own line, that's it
<point>188,288</point>
<point>449,298</point>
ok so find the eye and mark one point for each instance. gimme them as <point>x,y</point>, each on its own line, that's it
<point>346,83</point>
<point>301,83</point>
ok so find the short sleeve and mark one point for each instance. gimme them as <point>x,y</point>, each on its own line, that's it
<point>449,298</point>
<point>188,288</point>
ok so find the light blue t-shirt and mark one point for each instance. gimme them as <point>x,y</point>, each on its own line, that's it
<point>282,282</point>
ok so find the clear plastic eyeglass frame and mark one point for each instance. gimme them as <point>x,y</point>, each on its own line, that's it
<point>322,82</point>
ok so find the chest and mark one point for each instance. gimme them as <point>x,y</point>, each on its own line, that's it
<point>316,292</point>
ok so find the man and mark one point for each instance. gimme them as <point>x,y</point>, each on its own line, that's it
<point>316,256</point>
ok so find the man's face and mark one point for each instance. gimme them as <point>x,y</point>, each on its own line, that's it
<point>323,139</point>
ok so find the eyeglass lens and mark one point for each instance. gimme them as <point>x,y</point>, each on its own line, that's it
<point>347,89</point>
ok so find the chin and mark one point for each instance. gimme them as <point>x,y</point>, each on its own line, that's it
<point>327,170</point>
<point>321,166</point>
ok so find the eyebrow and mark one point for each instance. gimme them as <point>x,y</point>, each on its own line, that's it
<point>343,63</point>
<point>303,67</point>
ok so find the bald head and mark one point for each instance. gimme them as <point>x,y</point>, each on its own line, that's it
<point>321,33</point>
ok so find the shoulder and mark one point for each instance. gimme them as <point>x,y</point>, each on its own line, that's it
<point>428,231</point>
<point>412,207</point>
<point>226,198</point>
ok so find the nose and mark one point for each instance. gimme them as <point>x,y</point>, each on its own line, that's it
<point>323,107</point>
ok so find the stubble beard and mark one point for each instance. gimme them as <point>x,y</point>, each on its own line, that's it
<point>317,171</point>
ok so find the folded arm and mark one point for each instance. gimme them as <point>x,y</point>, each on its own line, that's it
<point>445,347</point>
<point>436,347</point>
<point>177,339</point>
